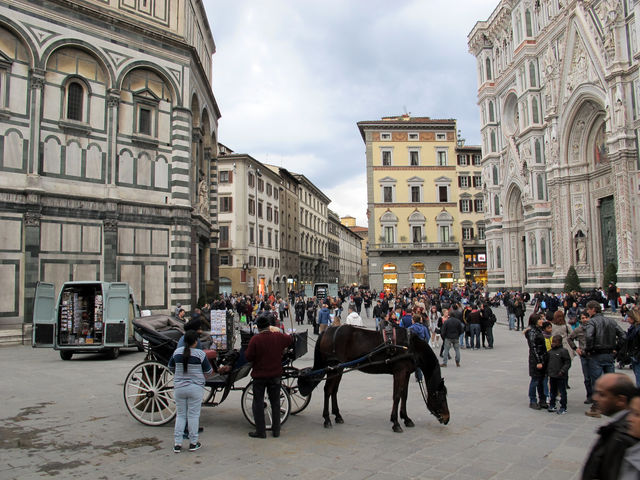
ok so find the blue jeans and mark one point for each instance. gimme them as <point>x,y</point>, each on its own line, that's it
<point>512,321</point>
<point>636,370</point>
<point>448,343</point>
<point>188,403</point>
<point>600,363</point>
<point>558,385</point>
<point>537,385</point>
<point>475,334</point>
<point>461,340</point>
<point>584,362</point>
<point>612,304</point>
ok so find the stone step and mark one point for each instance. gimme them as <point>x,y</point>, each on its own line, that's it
<point>15,336</point>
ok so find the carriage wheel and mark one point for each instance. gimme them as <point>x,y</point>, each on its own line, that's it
<point>298,401</point>
<point>247,402</point>
<point>148,393</point>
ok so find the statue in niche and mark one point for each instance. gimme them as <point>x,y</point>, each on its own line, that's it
<point>203,194</point>
<point>550,73</point>
<point>581,249</point>
<point>600,146</point>
<point>620,113</point>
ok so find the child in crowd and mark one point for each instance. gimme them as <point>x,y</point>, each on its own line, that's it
<point>557,371</point>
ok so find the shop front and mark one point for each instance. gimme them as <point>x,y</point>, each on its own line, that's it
<point>390,278</point>
<point>418,277</point>
<point>445,273</point>
<point>475,268</point>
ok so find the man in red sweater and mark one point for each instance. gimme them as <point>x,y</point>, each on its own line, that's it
<point>265,352</point>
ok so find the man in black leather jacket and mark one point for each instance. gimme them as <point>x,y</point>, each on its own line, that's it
<point>612,394</point>
<point>603,336</point>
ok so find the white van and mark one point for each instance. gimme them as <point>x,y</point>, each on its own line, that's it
<point>86,317</point>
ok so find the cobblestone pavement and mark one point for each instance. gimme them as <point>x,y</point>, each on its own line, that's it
<point>68,420</point>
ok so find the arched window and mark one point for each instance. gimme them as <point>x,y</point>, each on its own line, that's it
<point>540,185</point>
<point>498,257</point>
<point>532,74</point>
<point>528,23</point>
<point>75,100</point>
<point>493,141</point>
<point>496,205</point>
<point>488,67</point>
<point>535,110</point>
<point>538,150</point>
<point>543,251</point>
<point>492,114</point>
<point>533,248</point>
<point>495,175</point>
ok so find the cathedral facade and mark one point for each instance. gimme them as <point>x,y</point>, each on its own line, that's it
<point>559,97</point>
<point>108,141</point>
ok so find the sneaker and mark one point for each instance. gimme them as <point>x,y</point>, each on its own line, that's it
<point>534,406</point>
<point>194,446</point>
<point>552,409</point>
<point>562,411</point>
<point>177,448</point>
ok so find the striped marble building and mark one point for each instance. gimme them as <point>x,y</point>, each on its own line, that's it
<point>108,146</point>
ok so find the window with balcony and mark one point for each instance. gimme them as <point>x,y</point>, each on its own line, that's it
<point>444,233</point>
<point>389,236</point>
<point>416,234</point>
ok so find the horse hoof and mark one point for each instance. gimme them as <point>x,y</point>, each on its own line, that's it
<point>409,423</point>
<point>339,420</point>
<point>327,424</point>
<point>397,429</point>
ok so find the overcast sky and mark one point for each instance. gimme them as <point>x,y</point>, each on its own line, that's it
<point>293,77</point>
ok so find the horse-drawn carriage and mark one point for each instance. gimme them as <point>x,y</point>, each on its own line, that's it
<point>148,388</point>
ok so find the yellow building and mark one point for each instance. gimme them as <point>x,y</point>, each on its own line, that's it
<point>412,199</point>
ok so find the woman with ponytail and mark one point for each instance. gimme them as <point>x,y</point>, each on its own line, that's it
<point>190,366</point>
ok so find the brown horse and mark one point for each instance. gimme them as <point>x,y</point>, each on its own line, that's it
<point>340,345</point>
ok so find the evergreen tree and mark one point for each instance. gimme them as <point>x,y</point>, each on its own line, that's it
<point>572,281</point>
<point>610,275</point>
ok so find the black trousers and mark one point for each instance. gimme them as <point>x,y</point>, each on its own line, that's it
<point>272,386</point>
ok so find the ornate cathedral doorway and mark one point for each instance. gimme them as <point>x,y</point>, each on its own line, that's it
<point>608,232</point>
<point>515,244</point>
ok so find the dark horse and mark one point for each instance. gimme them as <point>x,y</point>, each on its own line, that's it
<point>339,345</point>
